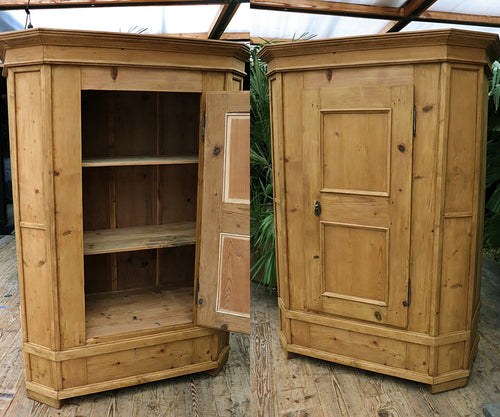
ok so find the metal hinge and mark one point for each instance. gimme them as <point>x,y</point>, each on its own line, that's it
<point>197,291</point>
<point>414,120</point>
<point>409,292</point>
<point>203,127</point>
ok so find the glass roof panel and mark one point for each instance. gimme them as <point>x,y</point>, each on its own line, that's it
<point>242,19</point>
<point>276,24</point>
<point>155,19</point>
<point>481,7</point>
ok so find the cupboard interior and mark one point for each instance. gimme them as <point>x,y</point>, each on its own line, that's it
<point>140,175</point>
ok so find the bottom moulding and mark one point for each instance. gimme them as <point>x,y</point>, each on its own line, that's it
<point>52,376</point>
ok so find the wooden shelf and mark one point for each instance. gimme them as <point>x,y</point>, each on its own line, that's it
<point>121,161</point>
<point>127,239</point>
<point>115,313</point>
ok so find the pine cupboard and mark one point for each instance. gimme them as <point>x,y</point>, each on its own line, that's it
<point>379,147</point>
<point>130,165</point>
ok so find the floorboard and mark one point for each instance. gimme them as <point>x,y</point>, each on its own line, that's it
<point>197,395</point>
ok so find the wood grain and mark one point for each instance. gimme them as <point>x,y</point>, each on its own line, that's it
<point>229,220</point>
<point>125,239</point>
<point>107,314</point>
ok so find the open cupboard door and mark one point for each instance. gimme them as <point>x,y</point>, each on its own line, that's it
<point>223,286</point>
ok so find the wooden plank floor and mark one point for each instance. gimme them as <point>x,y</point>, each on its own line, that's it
<point>196,395</point>
<point>308,387</point>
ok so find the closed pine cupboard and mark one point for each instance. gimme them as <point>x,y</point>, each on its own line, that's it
<point>379,147</point>
<point>130,164</point>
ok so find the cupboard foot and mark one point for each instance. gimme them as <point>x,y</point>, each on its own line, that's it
<point>445,386</point>
<point>44,399</point>
<point>290,355</point>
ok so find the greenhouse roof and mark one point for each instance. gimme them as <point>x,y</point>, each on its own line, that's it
<point>240,19</point>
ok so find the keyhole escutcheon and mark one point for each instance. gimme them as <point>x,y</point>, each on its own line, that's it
<point>317,208</point>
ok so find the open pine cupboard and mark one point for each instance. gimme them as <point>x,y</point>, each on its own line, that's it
<point>130,165</point>
<point>379,146</point>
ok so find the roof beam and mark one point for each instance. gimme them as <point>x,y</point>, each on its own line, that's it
<point>330,8</point>
<point>459,18</point>
<point>222,19</point>
<point>410,10</point>
<point>415,7</point>
<point>41,4</point>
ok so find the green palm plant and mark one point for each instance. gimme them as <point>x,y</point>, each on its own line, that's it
<point>261,184</point>
<point>492,215</point>
<point>261,174</point>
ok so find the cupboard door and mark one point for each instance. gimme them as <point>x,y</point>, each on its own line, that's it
<point>223,285</point>
<point>357,205</point>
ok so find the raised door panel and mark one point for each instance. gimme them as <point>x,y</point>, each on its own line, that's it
<point>357,207</point>
<point>223,288</point>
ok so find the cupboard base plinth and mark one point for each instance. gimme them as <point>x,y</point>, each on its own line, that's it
<point>394,352</point>
<point>52,402</point>
<point>446,386</point>
<point>130,361</point>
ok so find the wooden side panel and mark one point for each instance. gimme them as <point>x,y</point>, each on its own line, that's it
<point>460,161</point>
<point>143,360</point>
<point>351,344</point>
<point>37,287</point>
<point>292,196</point>
<point>31,174</point>
<point>276,109</point>
<point>42,371</point>
<point>74,373</point>
<point>234,82</point>
<point>417,358</point>
<point>463,156</point>
<point>427,88</point>
<point>31,190</point>
<point>483,88</point>
<point>450,357</point>
<point>455,276</point>
<point>68,203</point>
<point>300,333</point>
<point>224,223</point>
